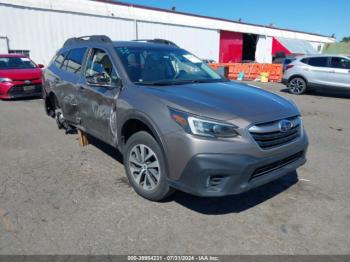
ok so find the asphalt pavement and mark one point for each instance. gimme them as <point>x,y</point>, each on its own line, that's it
<point>59,198</point>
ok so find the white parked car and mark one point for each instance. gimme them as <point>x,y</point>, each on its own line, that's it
<point>318,71</point>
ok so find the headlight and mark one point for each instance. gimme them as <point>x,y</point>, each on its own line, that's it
<point>3,80</point>
<point>203,127</point>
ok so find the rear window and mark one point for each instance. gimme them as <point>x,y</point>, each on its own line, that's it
<point>74,60</point>
<point>318,61</point>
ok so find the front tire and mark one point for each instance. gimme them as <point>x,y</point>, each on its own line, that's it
<point>297,86</point>
<point>144,164</point>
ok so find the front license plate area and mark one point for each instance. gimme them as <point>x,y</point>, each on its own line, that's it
<point>28,88</point>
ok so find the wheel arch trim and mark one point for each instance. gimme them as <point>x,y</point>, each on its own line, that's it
<point>300,76</point>
<point>146,120</point>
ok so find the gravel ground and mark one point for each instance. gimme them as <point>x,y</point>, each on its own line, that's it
<point>58,198</point>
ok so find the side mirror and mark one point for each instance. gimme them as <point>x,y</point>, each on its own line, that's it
<point>104,80</point>
<point>99,80</point>
<point>41,66</point>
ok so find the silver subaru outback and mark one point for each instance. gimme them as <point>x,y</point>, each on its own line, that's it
<point>178,124</point>
<point>330,72</point>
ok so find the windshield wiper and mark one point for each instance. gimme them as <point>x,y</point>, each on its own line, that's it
<point>152,83</point>
<point>208,80</point>
<point>179,82</point>
<point>164,83</point>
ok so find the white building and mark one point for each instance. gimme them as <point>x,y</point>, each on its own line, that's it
<point>40,27</point>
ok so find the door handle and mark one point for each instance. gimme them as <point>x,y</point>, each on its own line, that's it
<point>332,71</point>
<point>81,87</point>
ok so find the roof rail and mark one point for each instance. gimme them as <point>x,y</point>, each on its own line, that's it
<point>158,41</point>
<point>95,38</point>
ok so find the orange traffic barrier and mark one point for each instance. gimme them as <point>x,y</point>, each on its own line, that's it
<point>252,71</point>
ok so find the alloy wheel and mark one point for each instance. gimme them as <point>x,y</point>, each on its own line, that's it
<point>144,167</point>
<point>297,86</point>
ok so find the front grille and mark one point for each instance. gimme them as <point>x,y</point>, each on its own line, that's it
<point>268,135</point>
<point>30,79</point>
<point>276,165</point>
<point>19,90</point>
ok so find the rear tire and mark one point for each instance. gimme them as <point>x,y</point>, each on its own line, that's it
<point>59,117</point>
<point>297,85</point>
<point>144,164</point>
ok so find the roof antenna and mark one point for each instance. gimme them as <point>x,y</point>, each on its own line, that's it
<point>173,8</point>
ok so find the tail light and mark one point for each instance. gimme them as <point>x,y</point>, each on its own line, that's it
<point>289,67</point>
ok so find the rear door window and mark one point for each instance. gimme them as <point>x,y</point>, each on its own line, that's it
<point>318,61</point>
<point>340,62</point>
<point>60,58</point>
<point>74,60</point>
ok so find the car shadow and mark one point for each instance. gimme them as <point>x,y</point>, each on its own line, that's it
<point>216,205</point>
<point>107,149</point>
<point>235,203</point>
<point>324,93</point>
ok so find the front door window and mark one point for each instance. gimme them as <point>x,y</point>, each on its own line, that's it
<point>99,69</point>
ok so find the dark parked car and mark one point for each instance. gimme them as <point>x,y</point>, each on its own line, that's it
<point>19,77</point>
<point>286,62</point>
<point>178,123</point>
<point>209,61</point>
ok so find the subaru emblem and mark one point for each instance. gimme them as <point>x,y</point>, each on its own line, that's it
<point>285,125</point>
<point>27,82</point>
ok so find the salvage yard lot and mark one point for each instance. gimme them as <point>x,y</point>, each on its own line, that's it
<point>58,198</point>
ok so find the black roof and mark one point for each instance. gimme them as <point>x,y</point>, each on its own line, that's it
<point>102,39</point>
<point>143,44</point>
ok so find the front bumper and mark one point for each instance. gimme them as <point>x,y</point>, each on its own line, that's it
<point>18,90</point>
<point>220,175</point>
<point>232,172</point>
